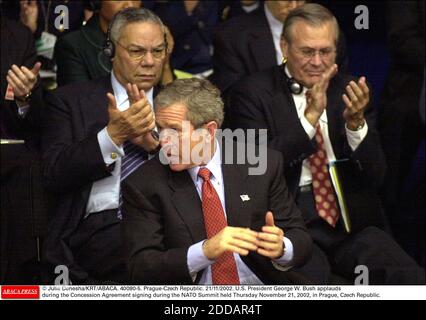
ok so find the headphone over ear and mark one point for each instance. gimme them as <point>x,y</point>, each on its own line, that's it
<point>109,47</point>
<point>294,86</point>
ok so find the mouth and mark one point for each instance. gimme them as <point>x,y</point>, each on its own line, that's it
<point>146,76</point>
<point>315,73</point>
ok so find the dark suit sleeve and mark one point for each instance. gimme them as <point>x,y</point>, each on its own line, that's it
<point>227,66</point>
<point>149,262</point>
<point>71,67</point>
<point>247,109</point>
<point>370,153</point>
<point>68,163</point>
<point>286,214</point>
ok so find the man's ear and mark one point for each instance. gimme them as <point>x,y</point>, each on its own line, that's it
<point>211,128</point>
<point>284,47</point>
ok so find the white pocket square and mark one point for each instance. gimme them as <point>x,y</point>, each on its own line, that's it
<point>244,197</point>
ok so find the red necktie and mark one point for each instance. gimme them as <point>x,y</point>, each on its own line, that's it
<point>224,270</point>
<point>325,200</point>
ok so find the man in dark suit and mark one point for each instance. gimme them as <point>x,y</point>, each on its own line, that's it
<point>79,55</point>
<point>314,116</point>
<point>20,87</point>
<point>250,43</point>
<point>20,108</point>
<point>245,230</point>
<point>92,140</point>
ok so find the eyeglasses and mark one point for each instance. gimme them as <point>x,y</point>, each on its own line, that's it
<point>309,53</point>
<point>138,53</point>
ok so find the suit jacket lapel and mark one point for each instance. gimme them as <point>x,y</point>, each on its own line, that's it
<point>283,107</point>
<point>261,44</point>
<point>234,180</point>
<point>94,107</point>
<point>188,204</point>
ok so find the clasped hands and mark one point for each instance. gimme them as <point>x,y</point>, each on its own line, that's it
<point>268,242</point>
<point>355,99</point>
<point>135,123</point>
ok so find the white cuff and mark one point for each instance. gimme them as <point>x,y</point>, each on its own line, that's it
<point>196,259</point>
<point>23,110</point>
<point>110,151</point>
<point>283,263</point>
<point>356,137</point>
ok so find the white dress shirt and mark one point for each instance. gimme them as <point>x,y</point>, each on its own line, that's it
<point>197,261</point>
<point>276,27</point>
<point>354,137</point>
<point>105,192</point>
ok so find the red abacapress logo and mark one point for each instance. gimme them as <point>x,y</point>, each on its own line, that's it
<point>20,292</point>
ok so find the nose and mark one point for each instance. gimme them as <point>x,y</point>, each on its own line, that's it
<point>316,59</point>
<point>147,60</point>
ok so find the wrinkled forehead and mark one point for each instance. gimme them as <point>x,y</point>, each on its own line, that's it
<point>143,33</point>
<point>304,34</point>
<point>171,116</point>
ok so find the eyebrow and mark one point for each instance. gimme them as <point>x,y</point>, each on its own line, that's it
<point>141,47</point>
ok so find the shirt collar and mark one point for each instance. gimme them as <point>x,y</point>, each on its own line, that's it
<point>120,94</point>
<point>214,165</point>
<point>275,25</point>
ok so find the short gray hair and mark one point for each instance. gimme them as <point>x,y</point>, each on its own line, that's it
<point>132,15</point>
<point>313,14</point>
<point>199,96</point>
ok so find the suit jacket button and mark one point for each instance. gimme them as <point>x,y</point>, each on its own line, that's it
<point>187,47</point>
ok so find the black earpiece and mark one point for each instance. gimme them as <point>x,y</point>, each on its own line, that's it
<point>109,47</point>
<point>294,86</point>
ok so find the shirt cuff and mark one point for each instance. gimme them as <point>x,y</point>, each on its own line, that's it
<point>110,151</point>
<point>196,259</point>
<point>23,110</point>
<point>287,257</point>
<point>356,137</point>
<point>309,129</point>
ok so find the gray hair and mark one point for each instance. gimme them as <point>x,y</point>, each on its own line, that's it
<point>132,15</point>
<point>313,14</point>
<point>200,97</point>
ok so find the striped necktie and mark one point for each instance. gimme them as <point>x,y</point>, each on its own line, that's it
<point>134,157</point>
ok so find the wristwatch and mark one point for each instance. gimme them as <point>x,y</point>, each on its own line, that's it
<point>24,98</point>
<point>359,126</point>
<point>156,137</point>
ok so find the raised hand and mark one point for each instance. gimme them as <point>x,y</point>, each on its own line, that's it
<point>271,238</point>
<point>134,122</point>
<point>316,97</point>
<point>22,79</point>
<point>356,100</point>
